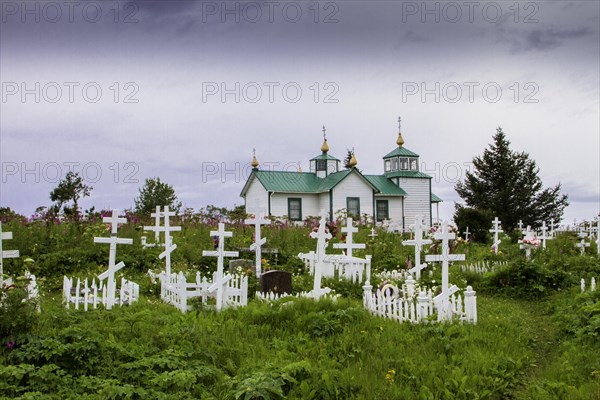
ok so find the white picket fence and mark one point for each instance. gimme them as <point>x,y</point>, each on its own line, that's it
<point>482,267</point>
<point>353,269</point>
<point>387,303</point>
<point>83,294</point>
<point>176,290</point>
<point>592,287</point>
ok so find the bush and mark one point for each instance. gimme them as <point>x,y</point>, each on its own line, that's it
<point>478,221</point>
<point>18,316</point>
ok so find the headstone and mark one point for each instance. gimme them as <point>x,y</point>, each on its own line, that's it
<point>322,237</point>
<point>349,230</point>
<point>114,220</point>
<point>279,282</point>
<point>418,242</point>
<point>220,281</point>
<point>258,240</point>
<point>496,230</point>
<point>5,253</point>
<point>241,263</point>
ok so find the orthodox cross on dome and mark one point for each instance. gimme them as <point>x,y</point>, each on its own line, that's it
<point>400,140</point>
<point>324,133</point>
<point>399,124</point>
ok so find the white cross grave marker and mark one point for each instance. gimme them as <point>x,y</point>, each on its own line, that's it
<point>5,253</point>
<point>525,243</point>
<point>496,230</point>
<point>258,240</point>
<point>167,229</point>
<point>418,242</point>
<point>582,244</point>
<point>113,240</point>
<point>322,237</point>
<point>445,236</point>
<point>349,246</point>
<point>552,227</point>
<point>545,237</point>
<point>220,282</point>
<point>520,225</point>
<point>598,236</point>
<point>169,246</point>
<point>467,234</point>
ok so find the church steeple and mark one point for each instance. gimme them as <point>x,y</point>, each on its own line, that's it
<point>400,140</point>
<point>254,162</point>
<point>324,146</point>
<point>324,164</point>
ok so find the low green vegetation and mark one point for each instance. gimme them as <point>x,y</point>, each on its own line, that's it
<point>537,336</point>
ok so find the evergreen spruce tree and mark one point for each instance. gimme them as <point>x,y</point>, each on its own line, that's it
<point>507,184</point>
<point>347,159</point>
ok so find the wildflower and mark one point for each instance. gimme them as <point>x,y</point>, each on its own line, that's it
<point>390,377</point>
<point>9,345</point>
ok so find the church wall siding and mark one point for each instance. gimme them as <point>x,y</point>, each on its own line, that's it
<point>417,201</point>
<point>353,186</point>
<point>257,198</point>
<point>310,204</point>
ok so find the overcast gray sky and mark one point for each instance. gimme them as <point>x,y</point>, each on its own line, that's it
<point>184,90</point>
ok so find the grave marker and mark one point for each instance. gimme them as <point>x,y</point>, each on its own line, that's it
<point>545,237</point>
<point>5,253</point>
<point>582,244</point>
<point>445,236</point>
<point>496,230</point>
<point>467,233</point>
<point>418,242</point>
<point>349,246</point>
<point>113,240</point>
<point>322,237</point>
<point>258,240</point>
<point>220,281</point>
<point>279,282</point>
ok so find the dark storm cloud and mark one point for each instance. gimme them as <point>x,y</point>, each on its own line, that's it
<point>547,39</point>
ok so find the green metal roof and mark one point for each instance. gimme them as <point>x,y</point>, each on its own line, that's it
<point>400,151</point>
<point>288,181</point>
<point>435,198</point>
<point>385,186</point>
<point>407,174</point>
<point>324,156</point>
<point>301,182</point>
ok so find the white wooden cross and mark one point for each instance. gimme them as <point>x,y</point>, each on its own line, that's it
<point>582,244</point>
<point>220,282</point>
<point>496,230</point>
<point>258,240</point>
<point>169,246</point>
<point>598,236</point>
<point>114,220</point>
<point>5,253</point>
<point>418,242</point>
<point>520,225</point>
<point>467,233</point>
<point>442,303</point>
<point>552,226</point>
<point>349,230</point>
<point>322,237</point>
<point>373,234</point>
<point>526,246</point>
<point>545,237</point>
<point>445,236</point>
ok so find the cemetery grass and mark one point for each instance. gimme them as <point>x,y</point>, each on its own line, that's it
<point>537,337</point>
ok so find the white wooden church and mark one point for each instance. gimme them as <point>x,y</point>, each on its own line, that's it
<point>398,195</point>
